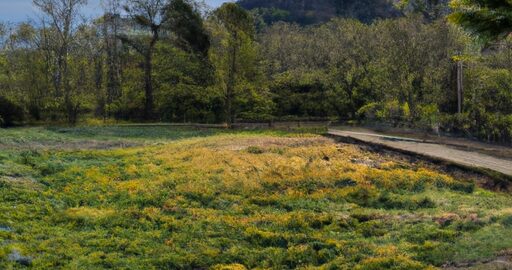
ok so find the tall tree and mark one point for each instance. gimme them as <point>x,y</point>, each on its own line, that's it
<point>185,21</point>
<point>235,38</point>
<point>150,16</point>
<point>490,19</point>
<point>111,25</point>
<point>430,9</point>
<point>63,16</point>
<point>24,60</point>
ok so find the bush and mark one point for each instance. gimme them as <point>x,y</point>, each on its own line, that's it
<point>393,112</point>
<point>463,187</point>
<point>10,113</point>
<point>487,126</point>
<point>507,221</point>
<point>388,201</point>
<point>373,228</point>
<point>255,150</point>
<point>265,239</point>
<point>362,195</point>
<point>429,117</point>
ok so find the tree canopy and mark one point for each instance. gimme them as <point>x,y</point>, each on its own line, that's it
<point>171,60</point>
<point>490,19</point>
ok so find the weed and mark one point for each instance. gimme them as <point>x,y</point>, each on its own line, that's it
<point>507,221</point>
<point>255,150</point>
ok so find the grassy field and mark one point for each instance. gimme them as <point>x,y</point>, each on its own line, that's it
<point>169,198</point>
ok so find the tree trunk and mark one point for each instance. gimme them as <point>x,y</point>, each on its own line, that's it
<point>148,86</point>
<point>112,51</point>
<point>68,102</point>
<point>460,87</point>
<point>230,88</point>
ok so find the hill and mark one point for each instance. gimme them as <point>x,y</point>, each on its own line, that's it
<point>307,12</point>
<point>317,11</point>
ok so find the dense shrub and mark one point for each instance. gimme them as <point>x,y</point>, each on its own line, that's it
<point>507,221</point>
<point>388,201</point>
<point>10,113</point>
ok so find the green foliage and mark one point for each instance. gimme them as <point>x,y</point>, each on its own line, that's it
<point>397,71</point>
<point>303,95</point>
<point>232,65</point>
<point>507,221</point>
<point>183,94</point>
<point>269,16</point>
<point>235,19</point>
<point>187,24</point>
<point>392,70</point>
<point>489,19</point>
<point>319,11</point>
<point>389,111</point>
<point>397,263</point>
<point>10,113</point>
<point>234,56</point>
<point>430,9</point>
<point>487,99</point>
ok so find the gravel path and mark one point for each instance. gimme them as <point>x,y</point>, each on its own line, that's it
<point>430,149</point>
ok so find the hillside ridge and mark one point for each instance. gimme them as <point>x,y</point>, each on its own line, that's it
<point>318,11</point>
<point>307,12</point>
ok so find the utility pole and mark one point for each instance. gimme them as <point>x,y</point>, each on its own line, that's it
<point>460,85</point>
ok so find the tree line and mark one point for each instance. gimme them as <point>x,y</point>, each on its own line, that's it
<point>159,60</point>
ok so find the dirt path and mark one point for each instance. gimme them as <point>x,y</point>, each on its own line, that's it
<point>469,157</point>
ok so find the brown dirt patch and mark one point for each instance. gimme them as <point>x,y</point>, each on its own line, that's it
<point>272,142</point>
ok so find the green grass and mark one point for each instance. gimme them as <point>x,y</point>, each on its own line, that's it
<point>84,137</point>
<point>171,198</point>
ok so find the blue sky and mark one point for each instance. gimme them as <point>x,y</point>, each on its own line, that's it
<point>21,10</point>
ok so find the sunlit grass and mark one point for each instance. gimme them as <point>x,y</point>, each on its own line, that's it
<point>230,200</point>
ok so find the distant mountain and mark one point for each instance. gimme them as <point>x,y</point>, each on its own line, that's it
<point>317,11</point>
